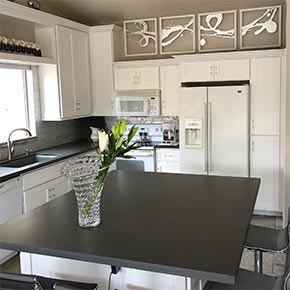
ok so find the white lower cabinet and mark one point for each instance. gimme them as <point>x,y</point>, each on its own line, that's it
<point>167,160</point>
<point>43,185</point>
<point>126,279</point>
<point>265,164</point>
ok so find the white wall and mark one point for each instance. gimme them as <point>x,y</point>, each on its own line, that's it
<point>287,180</point>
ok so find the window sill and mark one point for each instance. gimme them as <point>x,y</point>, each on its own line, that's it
<point>19,141</point>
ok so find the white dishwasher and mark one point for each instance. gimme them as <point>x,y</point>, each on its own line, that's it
<point>10,207</point>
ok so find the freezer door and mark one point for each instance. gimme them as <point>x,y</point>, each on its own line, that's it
<point>228,131</point>
<point>193,104</point>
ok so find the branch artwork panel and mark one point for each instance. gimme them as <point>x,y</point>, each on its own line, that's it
<point>140,37</point>
<point>260,27</point>
<point>177,34</point>
<point>217,31</point>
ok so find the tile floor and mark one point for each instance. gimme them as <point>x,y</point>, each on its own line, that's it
<point>273,263</point>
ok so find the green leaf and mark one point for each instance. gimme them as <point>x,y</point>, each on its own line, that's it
<point>132,133</point>
<point>115,131</point>
<point>111,145</point>
<point>122,127</point>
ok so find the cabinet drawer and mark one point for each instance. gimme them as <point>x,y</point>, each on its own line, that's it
<point>40,176</point>
<point>168,155</point>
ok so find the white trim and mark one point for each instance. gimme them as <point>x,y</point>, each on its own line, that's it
<point>37,16</point>
<point>25,59</point>
<point>145,63</point>
<point>106,28</point>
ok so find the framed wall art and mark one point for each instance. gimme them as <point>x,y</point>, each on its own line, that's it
<point>177,34</point>
<point>140,37</point>
<point>260,27</point>
<point>217,31</point>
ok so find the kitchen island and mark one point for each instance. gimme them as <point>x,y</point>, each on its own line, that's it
<point>185,225</point>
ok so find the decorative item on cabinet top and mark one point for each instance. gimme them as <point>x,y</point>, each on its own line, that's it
<point>19,46</point>
<point>177,34</point>
<point>140,37</point>
<point>217,31</point>
<point>260,27</point>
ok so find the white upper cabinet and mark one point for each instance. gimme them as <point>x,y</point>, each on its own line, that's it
<point>218,70</point>
<point>137,78</point>
<point>169,83</point>
<point>265,96</point>
<point>66,87</point>
<point>105,47</point>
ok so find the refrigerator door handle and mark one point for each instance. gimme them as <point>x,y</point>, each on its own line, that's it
<point>205,166</point>
<point>209,138</point>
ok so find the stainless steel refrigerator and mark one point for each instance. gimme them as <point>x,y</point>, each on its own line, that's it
<point>214,130</point>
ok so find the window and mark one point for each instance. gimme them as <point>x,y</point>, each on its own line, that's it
<point>16,101</point>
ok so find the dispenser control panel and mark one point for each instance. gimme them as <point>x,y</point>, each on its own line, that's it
<point>193,133</point>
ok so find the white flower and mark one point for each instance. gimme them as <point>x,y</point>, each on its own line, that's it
<point>103,140</point>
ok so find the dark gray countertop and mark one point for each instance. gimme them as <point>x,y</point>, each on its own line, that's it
<point>63,151</point>
<point>187,225</point>
<point>169,146</point>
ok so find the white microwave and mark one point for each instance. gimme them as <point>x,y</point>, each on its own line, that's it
<point>138,103</point>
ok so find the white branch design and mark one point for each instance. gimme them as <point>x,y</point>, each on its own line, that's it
<point>167,31</point>
<point>212,30</point>
<point>269,25</point>
<point>143,32</point>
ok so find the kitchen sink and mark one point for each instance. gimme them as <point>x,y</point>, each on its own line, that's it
<point>28,160</point>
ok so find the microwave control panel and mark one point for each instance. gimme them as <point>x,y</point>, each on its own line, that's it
<point>154,106</point>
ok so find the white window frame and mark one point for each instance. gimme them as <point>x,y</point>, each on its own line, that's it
<point>28,99</point>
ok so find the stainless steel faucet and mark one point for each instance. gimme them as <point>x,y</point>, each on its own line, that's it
<point>10,147</point>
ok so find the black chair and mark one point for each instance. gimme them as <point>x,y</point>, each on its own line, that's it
<point>263,239</point>
<point>249,280</point>
<point>10,281</point>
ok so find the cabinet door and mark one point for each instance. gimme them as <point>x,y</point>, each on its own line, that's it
<point>102,79</point>
<point>66,72</point>
<point>169,167</point>
<point>233,69</point>
<point>74,74</point>
<point>265,96</point>
<point>196,71</point>
<point>125,78</point>
<point>35,197</point>
<point>265,164</point>
<point>81,65</point>
<point>58,187</point>
<point>169,81</point>
<point>147,78</point>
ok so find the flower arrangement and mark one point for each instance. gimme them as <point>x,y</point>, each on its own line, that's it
<point>111,145</point>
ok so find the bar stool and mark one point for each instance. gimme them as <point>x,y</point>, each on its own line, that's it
<point>19,281</point>
<point>263,239</point>
<point>249,280</point>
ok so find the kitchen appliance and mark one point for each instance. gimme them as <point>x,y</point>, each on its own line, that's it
<point>149,135</point>
<point>138,103</point>
<point>169,132</point>
<point>214,129</point>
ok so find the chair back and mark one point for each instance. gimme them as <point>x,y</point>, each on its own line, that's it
<point>286,275</point>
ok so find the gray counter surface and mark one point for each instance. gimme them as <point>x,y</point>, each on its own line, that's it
<point>187,225</point>
<point>62,151</point>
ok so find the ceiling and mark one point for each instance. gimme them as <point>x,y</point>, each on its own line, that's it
<point>94,12</point>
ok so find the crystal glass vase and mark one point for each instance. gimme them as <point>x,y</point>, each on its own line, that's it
<point>87,179</point>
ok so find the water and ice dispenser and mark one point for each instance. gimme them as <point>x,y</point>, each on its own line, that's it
<point>193,133</point>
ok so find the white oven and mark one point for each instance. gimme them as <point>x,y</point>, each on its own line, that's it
<point>144,160</point>
<point>138,103</point>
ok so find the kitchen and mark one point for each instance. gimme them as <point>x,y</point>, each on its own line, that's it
<point>268,129</point>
